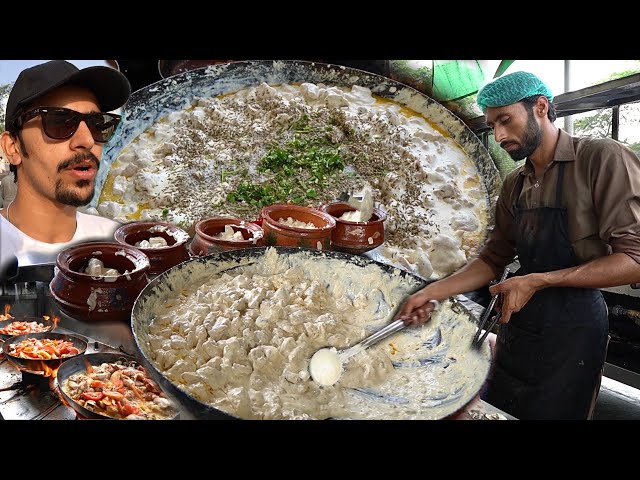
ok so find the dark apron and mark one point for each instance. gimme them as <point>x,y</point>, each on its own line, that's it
<point>550,355</point>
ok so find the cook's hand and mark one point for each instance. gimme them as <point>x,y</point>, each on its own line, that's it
<point>417,309</point>
<point>516,292</point>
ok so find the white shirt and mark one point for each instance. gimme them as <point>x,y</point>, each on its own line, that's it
<point>30,251</point>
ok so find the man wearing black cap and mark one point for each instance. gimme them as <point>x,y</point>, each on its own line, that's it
<point>56,125</point>
<point>571,214</point>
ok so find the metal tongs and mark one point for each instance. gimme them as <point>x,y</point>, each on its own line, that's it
<point>477,339</point>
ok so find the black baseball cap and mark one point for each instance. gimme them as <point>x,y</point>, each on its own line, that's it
<point>111,88</point>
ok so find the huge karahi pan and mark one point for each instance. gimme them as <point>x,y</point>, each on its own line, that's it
<point>147,105</point>
<point>167,284</point>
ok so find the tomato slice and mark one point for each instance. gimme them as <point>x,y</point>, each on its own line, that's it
<point>117,383</point>
<point>127,409</point>
<point>98,384</point>
<point>95,396</point>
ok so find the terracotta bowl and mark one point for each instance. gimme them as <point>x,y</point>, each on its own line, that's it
<point>161,258</point>
<point>355,237</point>
<point>204,243</point>
<point>277,233</point>
<point>93,299</point>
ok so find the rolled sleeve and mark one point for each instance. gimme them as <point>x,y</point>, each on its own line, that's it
<point>500,250</point>
<point>616,196</point>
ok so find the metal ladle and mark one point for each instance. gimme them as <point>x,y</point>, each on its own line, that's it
<point>326,365</point>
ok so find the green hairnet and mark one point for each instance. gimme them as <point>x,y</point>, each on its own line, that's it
<point>510,89</point>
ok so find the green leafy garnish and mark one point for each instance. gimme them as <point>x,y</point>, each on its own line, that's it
<point>299,167</point>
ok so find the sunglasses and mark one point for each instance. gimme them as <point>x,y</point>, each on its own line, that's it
<point>60,123</point>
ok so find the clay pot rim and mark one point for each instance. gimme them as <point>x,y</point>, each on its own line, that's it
<point>355,251</point>
<point>140,261</point>
<point>234,222</point>
<point>265,214</point>
<point>382,216</point>
<point>126,229</point>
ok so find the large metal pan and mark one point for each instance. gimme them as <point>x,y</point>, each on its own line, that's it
<point>147,105</point>
<point>79,365</point>
<point>47,325</point>
<point>162,287</point>
<point>168,68</point>
<point>41,366</point>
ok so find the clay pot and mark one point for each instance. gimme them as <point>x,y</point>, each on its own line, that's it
<point>355,237</point>
<point>204,243</point>
<point>277,233</point>
<point>94,299</point>
<point>162,258</point>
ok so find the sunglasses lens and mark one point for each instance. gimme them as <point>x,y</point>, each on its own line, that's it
<point>102,126</point>
<point>60,124</point>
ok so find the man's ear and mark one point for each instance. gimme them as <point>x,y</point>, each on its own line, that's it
<point>11,148</point>
<point>542,106</point>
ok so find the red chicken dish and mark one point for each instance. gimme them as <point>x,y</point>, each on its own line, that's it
<point>43,349</point>
<point>119,390</point>
<point>20,328</point>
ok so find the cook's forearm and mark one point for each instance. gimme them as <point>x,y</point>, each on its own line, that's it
<point>609,271</point>
<point>472,276</point>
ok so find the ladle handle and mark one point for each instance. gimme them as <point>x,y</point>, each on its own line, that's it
<point>383,333</point>
<point>390,329</point>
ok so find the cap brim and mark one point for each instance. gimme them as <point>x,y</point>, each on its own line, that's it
<point>111,88</point>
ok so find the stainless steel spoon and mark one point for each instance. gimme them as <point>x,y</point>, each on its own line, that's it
<point>325,366</point>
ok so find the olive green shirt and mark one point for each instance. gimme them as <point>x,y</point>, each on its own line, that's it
<point>601,193</point>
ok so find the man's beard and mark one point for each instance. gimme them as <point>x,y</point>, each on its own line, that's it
<point>70,196</point>
<point>74,198</point>
<point>531,140</point>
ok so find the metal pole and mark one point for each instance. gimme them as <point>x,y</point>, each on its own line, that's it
<point>615,122</point>
<point>568,120</point>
